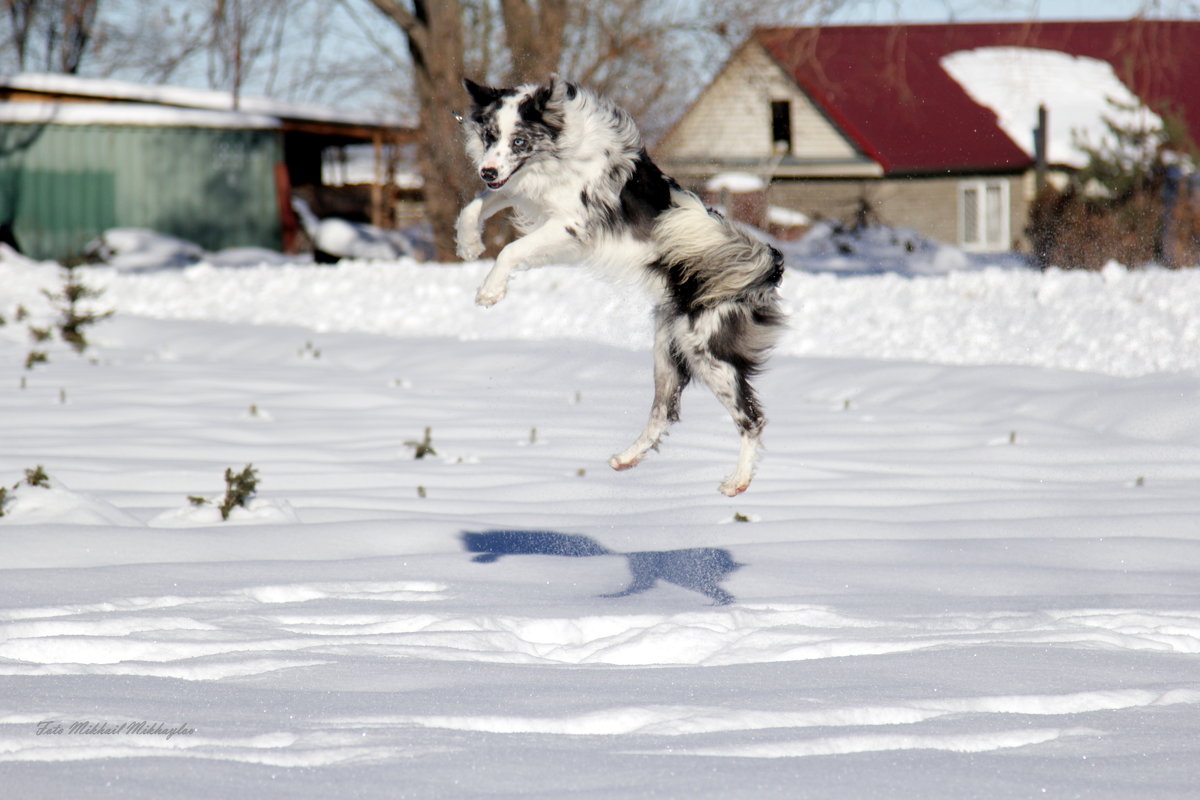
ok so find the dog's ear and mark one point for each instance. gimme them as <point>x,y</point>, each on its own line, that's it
<point>553,93</point>
<point>541,97</point>
<point>561,89</point>
<point>481,95</point>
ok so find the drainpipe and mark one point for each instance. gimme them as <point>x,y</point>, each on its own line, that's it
<point>1039,149</point>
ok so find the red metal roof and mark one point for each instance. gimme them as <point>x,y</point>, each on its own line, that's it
<point>885,88</point>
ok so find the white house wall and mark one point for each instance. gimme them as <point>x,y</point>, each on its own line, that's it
<point>731,121</point>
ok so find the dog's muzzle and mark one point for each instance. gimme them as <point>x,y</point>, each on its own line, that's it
<point>488,174</point>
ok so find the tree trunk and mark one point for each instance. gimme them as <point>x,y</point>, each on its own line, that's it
<point>435,40</point>
<point>534,37</point>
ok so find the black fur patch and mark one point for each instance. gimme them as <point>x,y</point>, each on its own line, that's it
<point>774,277</point>
<point>485,100</point>
<point>484,96</point>
<point>645,194</point>
<point>532,111</point>
<point>727,344</point>
<point>682,287</point>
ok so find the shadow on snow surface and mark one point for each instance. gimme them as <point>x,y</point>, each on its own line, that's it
<point>699,569</point>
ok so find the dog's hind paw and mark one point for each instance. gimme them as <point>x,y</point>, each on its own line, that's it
<point>732,488</point>
<point>620,464</point>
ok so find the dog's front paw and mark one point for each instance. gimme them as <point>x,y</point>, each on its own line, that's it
<point>469,247</point>
<point>489,294</point>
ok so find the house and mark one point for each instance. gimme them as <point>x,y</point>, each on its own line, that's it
<point>81,155</point>
<point>929,126</point>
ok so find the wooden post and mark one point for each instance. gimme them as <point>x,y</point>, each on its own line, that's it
<point>377,186</point>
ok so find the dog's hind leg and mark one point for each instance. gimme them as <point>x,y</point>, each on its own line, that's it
<point>722,363</point>
<point>671,375</point>
<point>732,388</point>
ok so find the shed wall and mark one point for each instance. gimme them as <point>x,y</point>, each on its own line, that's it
<point>61,185</point>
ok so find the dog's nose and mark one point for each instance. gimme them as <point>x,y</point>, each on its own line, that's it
<point>488,174</point>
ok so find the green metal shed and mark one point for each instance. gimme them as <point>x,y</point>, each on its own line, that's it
<point>208,177</point>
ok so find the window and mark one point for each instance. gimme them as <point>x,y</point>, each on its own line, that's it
<point>983,216</point>
<point>781,126</point>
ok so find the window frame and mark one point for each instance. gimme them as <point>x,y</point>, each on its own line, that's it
<point>982,243</point>
<point>781,126</point>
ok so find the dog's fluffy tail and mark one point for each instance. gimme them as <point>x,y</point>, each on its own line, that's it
<point>719,258</point>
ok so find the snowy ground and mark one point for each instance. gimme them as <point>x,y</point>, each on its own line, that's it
<point>969,566</point>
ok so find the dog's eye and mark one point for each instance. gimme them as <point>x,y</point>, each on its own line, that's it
<point>519,143</point>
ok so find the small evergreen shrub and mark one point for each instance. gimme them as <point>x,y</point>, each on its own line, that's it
<point>424,447</point>
<point>240,488</point>
<point>35,477</point>
<point>72,317</point>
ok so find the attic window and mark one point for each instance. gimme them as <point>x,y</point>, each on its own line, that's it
<point>781,126</point>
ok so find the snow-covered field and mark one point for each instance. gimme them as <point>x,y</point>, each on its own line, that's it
<point>969,566</point>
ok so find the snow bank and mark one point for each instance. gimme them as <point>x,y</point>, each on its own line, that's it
<point>1115,322</point>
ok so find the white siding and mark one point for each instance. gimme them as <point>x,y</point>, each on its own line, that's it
<point>732,118</point>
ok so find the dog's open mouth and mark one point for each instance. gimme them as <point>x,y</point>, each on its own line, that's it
<point>496,184</point>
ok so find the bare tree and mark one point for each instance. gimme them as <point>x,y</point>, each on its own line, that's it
<point>534,37</point>
<point>50,35</point>
<point>436,38</point>
<point>445,39</point>
<point>277,48</point>
<point>76,24</point>
<point>242,35</point>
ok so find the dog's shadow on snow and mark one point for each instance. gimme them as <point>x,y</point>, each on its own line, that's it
<point>699,569</point>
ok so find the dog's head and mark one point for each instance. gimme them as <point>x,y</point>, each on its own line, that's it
<point>510,128</point>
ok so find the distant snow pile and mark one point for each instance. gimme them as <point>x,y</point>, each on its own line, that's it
<point>876,249</point>
<point>735,182</point>
<point>1078,92</point>
<point>139,250</point>
<point>787,217</point>
<point>340,238</point>
<point>345,239</point>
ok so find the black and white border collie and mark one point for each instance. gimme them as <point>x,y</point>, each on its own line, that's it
<point>572,169</point>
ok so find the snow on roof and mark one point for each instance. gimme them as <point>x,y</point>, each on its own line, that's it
<point>131,114</point>
<point>1077,91</point>
<point>106,88</point>
<point>736,182</point>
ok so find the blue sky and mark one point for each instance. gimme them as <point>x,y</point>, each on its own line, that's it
<point>882,11</point>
